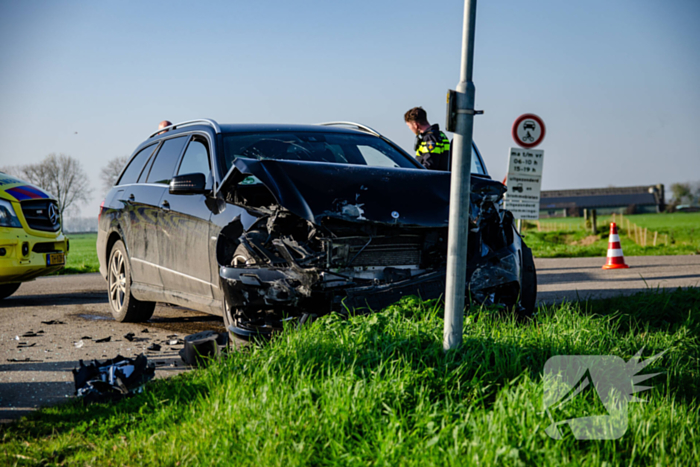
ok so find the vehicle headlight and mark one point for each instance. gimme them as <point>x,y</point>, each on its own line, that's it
<point>492,197</point>
<point>8,218</point>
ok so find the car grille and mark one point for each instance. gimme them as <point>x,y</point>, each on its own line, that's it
<point>38,215</point>
<point>381,251</point>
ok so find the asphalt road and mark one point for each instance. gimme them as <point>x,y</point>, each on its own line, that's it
<point>41,374</point>
<point>580,278</point>
<point>36,371</point>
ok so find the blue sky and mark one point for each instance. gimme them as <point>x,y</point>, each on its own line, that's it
<point>617,82</point>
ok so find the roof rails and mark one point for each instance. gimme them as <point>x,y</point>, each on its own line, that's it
<point>359,126</point>
<point>201,121</point>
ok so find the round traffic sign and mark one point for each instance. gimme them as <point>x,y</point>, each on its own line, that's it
<point>528,130</point>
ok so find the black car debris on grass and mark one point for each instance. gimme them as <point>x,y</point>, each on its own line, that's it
<point>262,224</point>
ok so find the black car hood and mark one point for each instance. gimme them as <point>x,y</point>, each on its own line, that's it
<point>356,193</point>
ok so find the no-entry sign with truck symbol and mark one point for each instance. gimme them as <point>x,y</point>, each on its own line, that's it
<point>525,166</point>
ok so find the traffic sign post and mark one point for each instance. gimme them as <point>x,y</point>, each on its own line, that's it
<point>525,168</point>
<point>460,189</point>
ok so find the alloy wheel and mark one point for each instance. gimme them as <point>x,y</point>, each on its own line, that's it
<point>117,280</point>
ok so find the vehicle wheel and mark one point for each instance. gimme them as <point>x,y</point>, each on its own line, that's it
<point>528,292</point>
<point>241,258</point>
<point>8,289</point>
<point>125,308</point>
<point>235,341</point>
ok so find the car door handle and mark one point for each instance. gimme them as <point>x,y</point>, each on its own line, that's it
<point>165,205</point>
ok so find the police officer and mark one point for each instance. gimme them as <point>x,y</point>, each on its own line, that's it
<point>432,146</point>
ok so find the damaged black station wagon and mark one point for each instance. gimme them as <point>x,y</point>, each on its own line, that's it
<point>268,223</point>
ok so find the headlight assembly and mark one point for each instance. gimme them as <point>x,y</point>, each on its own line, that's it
<point>492,197</point>
<point>8,218</point>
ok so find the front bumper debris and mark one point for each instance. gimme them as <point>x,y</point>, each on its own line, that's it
<point>263,287</point>
<point>287,288</point>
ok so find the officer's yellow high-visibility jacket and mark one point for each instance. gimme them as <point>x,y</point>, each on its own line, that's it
<point>433,148</point>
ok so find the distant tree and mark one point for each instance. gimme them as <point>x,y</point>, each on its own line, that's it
<point>111,171</point>
<point>680,192</point>
<point>60,175</point>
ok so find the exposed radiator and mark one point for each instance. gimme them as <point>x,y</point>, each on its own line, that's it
<point>387,256</point>
<point>380,251</point>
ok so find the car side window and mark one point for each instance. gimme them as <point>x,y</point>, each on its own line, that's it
<point>375,158</point>
<point>144,173</point>
<point>196,158</point>
<point>166,159</point>
<point>477,168</point>
<point>131,174</point>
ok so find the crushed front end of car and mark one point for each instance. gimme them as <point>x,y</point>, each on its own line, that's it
<point>322,237</point>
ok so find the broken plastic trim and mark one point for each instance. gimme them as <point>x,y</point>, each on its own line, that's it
<point>112,380</point>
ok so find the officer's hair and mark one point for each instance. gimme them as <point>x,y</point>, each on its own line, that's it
<point>416,114</point>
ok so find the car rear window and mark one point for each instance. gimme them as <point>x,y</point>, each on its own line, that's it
<point>341,148</point>
<point>166,159</point>
<point>134,168</point>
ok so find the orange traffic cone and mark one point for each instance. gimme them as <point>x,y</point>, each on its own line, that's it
<point>616,260</point>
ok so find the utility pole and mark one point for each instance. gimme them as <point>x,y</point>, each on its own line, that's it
<point>460,190</point>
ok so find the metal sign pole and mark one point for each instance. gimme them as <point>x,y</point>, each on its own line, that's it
<point>460,188</point>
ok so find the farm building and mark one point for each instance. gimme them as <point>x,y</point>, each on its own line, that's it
<point>628,200</point>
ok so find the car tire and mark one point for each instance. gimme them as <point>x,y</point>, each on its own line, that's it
<point>125,308</point>
<point>8,289</point>
<point>235,341</point>
<point>528,291</point>
<point>241,257</point>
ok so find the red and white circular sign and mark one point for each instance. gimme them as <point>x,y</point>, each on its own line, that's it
<point>528,130</point>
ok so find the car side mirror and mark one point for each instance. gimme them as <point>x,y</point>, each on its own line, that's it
<point>189,184</point>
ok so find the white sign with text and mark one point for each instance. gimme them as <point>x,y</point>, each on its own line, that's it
<point>524,183</point>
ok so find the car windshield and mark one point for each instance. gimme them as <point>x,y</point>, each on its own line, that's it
<point>339,148</point>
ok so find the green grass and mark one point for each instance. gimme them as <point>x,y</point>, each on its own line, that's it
<point>379,390</point>
<point>683,230</point>
<point>83,255</point>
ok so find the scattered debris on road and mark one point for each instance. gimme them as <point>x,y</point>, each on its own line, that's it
<point>154,347</point>
<point>113,379</point>
<point>79,344</point>
<point>32,334</point>
<point>53,321</point>
<point>104,339</point>
<point>202,346</point>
